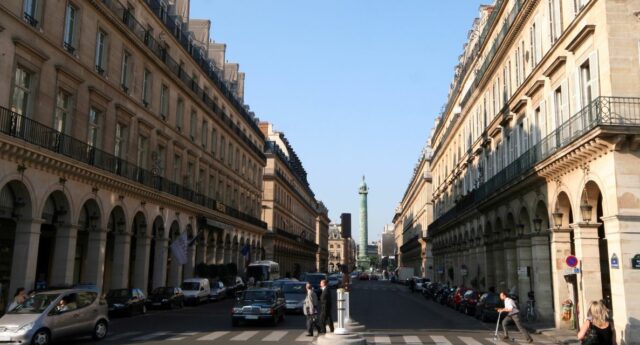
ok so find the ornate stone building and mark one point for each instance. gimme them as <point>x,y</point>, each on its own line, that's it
<point>121,127</point>
<point>290,209</point>
<point>412,217</point>
<point>535,156</point>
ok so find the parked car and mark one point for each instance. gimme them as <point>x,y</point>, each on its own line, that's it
<point>469,302</point>
<point>54,315</point>
<point>363,276</point>
<point>218,291</point>
<point>457,298</point>
<point>294,295</point>
<point>196,290</point>
<point>166,297</point>
<point>354,274</point>
<point>486,307</point>
<point>126,301</point>
<point>259,304</point>
<point>419,283</point>
<point>334,281</point>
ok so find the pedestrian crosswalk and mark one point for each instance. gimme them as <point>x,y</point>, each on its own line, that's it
<point>300,337</point>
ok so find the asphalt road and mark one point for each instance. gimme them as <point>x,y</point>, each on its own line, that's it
<point>391,314</point>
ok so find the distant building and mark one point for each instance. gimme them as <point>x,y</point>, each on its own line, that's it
<point>387,241</point>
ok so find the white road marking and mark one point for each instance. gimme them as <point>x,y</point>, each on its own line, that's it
<point>213,336</point>
<point>275,336</point>
<point>440,340</point>
<point>123,335</point>
<point>304,337</point>
<point>381,339</point>
<point>470,341</point>
<point>412,339</point>
<point>499,342</point>
<point>150,336</point>
<point>182,336</point>
<point>244,336</point>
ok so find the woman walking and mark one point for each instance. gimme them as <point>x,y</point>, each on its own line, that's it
<point>597,329</point>
<point>310,310</point>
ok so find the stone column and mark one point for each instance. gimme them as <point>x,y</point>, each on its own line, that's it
<point>25,254</point>
<point>219,252</point>
<point>188,268</point>
<point>523,254</point>
<point>96,253</point>
<point>500,281</point>
<point>623,239</point>
<point>511,265</point>
<point>175,272</point>
<point>541,276</point>
<point>489,264</point>
<point>64,254</point>
<point>560,249</point>
<point>160,261</point>
<point>121,255</point>
<point>201,252</point>
<point>227,254</point>
<point>588,252</point>
<point>143,260</point>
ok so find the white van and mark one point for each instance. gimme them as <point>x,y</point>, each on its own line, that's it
<point>196,290</point>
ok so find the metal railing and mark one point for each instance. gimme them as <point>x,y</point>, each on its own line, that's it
<point>198,54</point>
<point>33,132</point>
<point>601,112</point>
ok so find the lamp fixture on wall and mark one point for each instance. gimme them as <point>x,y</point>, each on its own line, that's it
<point>537,224</point>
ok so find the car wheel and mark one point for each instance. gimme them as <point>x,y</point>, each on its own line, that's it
<point>100,330</point>
<point>42,337</point>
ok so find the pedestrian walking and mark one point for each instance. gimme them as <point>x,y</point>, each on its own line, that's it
<point>325,308</point>
<point>18,298</point>
<point>597,329</point>
<point>310,310</point>
<point>513,314</point>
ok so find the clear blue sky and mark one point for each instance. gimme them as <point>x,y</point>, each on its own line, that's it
<point>354,84</point>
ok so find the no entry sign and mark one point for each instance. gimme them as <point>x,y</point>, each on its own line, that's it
<point>571,261</point>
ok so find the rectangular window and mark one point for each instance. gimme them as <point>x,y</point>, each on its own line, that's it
<point>125,74</point>
<point>62,116</point>
<point>200,183</point>
<point>205,134</point>
<point>214,141</point>
<point>180,114</point>
<point>193,125</point>
<point>101,46</point>
<point>212,186</point>
<point>94,131</point>
<point>21,101</point>
<point>230,155</point>
<point>555,20</point>
<point>223,147</point>
<point>120,141</point>
<point>164,101</point>
<point>177,168</point>
<point>70,23</point>
<point>146,86</point>
<point>534,45</point>
<point>578,5</point>
<point>189,178</point>
<point>160,161</point>
<point>143,148</point>
<point>32,10</point>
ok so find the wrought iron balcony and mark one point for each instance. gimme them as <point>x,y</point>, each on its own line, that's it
<point>604,112</point>
<point>30,19</point>
<point>33,132</point>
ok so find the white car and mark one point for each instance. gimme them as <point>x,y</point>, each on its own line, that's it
<point>196,290</point>
<point>218,291</point>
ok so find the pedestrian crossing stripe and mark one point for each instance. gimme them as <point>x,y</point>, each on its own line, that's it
<point>150,336</point>
<point>412,340</point>
<point>275,336</point>
<point>440,340</point>
<point>183,336</point>
<point>213,336</point>
<point>381,339</point>
<point>470,341</point>
<point>244,336</point>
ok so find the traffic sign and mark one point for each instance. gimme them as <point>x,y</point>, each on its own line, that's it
<point>571,261</point>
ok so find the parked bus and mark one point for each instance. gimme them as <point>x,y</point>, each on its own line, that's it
<point>263,270</point>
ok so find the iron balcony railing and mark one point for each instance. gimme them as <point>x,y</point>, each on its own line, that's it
<point>33,132</point>
<point>197,53</point>
<point>601,112</point>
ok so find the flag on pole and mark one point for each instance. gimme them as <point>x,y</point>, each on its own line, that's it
<point>179,248</point>
<point>246,251</point>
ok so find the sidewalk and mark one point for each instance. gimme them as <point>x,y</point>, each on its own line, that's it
<point>557,335</point>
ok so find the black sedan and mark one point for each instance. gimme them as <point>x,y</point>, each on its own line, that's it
<point>126,301</point>
<point>259,305</point>
<point>166,297</point>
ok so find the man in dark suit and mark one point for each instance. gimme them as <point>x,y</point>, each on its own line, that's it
<point>325,308</point>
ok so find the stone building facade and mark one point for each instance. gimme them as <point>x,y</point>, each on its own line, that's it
<point>290,209</point>
<point>121,128</point>
<point>534,159</point>
<point>412,217</point>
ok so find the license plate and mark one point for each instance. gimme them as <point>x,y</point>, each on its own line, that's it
<point>156,303</point>
<point>251,317</point>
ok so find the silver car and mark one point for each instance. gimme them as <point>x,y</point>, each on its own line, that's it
<point>294,294</point>
<point>53,315</point>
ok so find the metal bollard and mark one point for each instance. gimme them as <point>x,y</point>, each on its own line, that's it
<point>347,315</point>
<point>341,309</point>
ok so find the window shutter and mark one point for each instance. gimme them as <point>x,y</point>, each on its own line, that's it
<point>595,74</point>
<point>540,27</point>
<point>565,101</point>
<point>576,91</point>
<point>558,17</point>
<point>551,114</point>
<point>525,135</point>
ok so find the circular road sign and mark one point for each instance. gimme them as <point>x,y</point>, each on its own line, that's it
<point>571,261</point>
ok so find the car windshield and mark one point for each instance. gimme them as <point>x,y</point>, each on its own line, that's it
<point>35,304</point>
<point>258,295</point>
<point>163,291</point>
<point>118,293</point>
<point>190,286</point>
<point>315,279</point>
<point>294,288</point>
